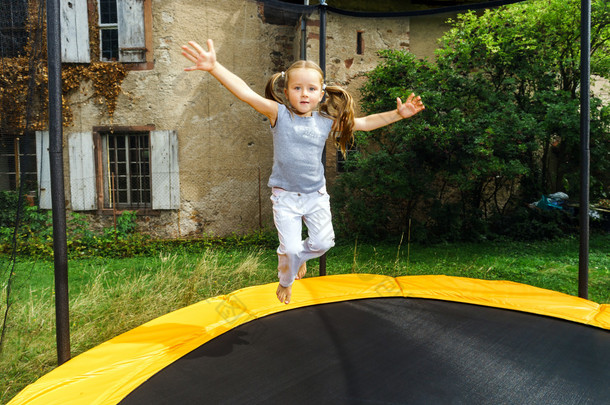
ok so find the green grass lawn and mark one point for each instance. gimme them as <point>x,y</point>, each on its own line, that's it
<point>111,296</point>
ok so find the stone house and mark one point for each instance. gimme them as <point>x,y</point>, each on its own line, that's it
<point>180,149</point>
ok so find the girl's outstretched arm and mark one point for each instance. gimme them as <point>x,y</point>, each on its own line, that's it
<point>409,108</point>
<point>206,61</point>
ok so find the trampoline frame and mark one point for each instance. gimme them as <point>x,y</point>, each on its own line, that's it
<point>109,372</point>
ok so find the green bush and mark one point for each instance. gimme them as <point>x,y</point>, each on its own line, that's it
<point>35,238</point>
<point>8,204</point>
<point>501,127</point>
<point>534,224</point>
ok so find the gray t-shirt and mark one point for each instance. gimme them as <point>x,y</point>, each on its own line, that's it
<point>298,143</point>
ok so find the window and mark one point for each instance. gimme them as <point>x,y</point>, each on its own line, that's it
<point>359,43</point>
<point>133,168</point>
<point>18,162</point>
<point>109,30</point>
<point>341,166</point>
<point>122,30</point>
<point>13,35</point>
<point>126,169</point>
<point>124,27</point>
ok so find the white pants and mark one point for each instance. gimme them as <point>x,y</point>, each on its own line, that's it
<point>290,210</point>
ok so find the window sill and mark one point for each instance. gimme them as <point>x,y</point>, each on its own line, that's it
<point>139,211</point>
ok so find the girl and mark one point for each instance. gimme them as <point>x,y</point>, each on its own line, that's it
<point>300,128</point>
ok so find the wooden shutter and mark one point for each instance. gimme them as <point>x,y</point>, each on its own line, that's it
<point>83,194</point>
<point>74,31</point>
<point>132,43</point>
<point>43,168</point>
<point>164,171</point>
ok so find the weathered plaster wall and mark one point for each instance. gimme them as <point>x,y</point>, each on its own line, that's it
<point>425,33</point>
<point>600,87</point>
<point>224,143</point>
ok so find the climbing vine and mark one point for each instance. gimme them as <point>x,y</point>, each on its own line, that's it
<point>107,79</point>
<point>24,79</point>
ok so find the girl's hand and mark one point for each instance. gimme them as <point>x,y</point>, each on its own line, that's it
<point>412,106</point>
<point>203,60</point>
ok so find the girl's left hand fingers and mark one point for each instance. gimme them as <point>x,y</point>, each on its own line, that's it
<point>197,47</point>
<point>188,55</point>
<point>191,54</point>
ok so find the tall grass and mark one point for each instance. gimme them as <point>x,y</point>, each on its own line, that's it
<point>106,307</point>
<point>109,297</point>
<point>111,301</point>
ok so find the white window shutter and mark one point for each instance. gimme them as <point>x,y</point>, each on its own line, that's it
<point>164,172</point>
<point>43,168</point>
<point>83,194</point>
<point>74,31</point>
<point>132,43</point>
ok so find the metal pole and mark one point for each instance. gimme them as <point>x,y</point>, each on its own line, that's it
<point>60,247</point>
<point>304,33</point>
<point>260,201</point>
<point>585,71</point>
<point>323,67</point>
<point>323,36</point>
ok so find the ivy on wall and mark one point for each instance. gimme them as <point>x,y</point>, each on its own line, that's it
<point>24,80</point>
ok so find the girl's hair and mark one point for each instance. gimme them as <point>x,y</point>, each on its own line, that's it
<point>337,104</point>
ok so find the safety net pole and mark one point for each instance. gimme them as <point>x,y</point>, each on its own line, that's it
<point>57,182</point>
<point>304,33</point>
<point>585,56</point>
<point>323,67</point>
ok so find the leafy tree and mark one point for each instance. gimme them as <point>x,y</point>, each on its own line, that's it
<point>532,50</point>
<point>501,124</point>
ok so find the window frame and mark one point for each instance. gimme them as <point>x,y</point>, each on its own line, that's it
<point>14,29</point>
<point>87,169</point>
<point>15,159</point>
<point>341,160</point>
<point>94,22</point>
<point>359,42</point>
<point>106,27</point>
<point>100,166</point>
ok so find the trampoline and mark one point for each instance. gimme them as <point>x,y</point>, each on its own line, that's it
<point>353,339</point>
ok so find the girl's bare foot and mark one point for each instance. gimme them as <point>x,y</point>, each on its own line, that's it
<point>284,293</point>
<point>302,271</point>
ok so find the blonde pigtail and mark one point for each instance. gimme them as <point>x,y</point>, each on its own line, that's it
<point>270,88</point>
<point>339,105</point>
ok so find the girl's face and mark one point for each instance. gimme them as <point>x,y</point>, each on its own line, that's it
<point>304,90</point>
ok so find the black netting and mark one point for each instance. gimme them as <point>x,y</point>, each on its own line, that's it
<point>22,88</point>
<point>13,34</point>
<point>284,12</point>
<point>22,94</point>
<point>413,13</point>
<point>279,12</point>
